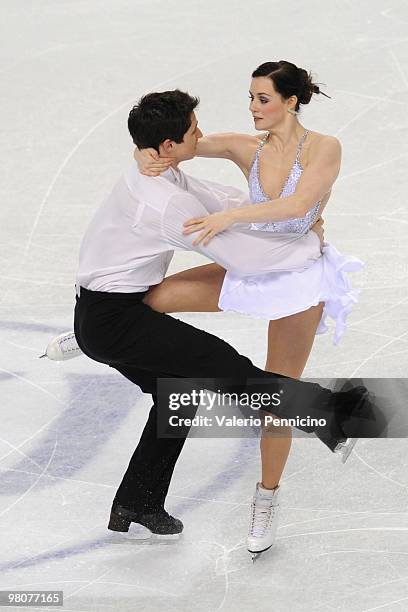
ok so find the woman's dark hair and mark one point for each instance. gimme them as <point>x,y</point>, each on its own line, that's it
<point>289,80</point>
<point>158,116</point>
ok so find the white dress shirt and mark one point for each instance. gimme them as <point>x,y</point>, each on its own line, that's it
<point>131,239</point>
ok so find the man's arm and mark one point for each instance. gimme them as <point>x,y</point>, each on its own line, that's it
<point>241,251</point>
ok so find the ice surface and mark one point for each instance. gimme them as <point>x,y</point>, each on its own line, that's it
<point>70,72</point>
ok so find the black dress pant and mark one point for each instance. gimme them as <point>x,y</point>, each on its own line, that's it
<point>118,329</point>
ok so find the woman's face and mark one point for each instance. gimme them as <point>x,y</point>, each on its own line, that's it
<point>267,106</point>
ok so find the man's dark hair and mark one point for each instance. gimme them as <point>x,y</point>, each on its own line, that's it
<point>159,116</point>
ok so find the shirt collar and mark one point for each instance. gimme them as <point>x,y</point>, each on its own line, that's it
<point>172,175</point>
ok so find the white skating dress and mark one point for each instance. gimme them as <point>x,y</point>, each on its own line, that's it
<point>273,296</point>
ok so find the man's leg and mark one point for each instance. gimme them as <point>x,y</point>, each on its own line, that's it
<point>147,479</point>
<point>121,331</point>
<point>141,495</point>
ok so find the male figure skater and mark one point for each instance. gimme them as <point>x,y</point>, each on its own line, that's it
<point>127,248</point>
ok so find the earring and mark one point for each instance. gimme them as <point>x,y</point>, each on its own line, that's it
<point>292,112</point>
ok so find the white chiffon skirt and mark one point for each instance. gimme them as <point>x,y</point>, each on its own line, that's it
<point>273,296</point>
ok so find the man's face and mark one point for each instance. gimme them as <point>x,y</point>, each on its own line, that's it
<point>191,137</point>
<point>186,149</point>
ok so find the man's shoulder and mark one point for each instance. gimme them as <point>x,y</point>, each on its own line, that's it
<point>149,188</point>
<point>212,188</point>
<point>192,182</point>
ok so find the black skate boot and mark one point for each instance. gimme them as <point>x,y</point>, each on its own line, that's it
<point>160,523</point>
<point>351,409</point>
<point>359,416</point>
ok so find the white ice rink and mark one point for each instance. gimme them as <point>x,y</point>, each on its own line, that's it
<point>71,70</point>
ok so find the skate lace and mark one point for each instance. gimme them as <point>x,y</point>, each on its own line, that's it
<point>68,344</point>
<point>260,518</point>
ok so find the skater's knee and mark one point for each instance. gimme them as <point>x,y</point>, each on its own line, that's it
<point>160,298</point>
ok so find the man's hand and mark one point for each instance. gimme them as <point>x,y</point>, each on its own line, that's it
<point>318,228</point>
<point>150,163</point>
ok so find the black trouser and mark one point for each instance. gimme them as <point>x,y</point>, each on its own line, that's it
<point>120,330</point>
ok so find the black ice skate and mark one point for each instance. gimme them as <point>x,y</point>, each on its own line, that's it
<point>360,400</point>
<point>160,523</point>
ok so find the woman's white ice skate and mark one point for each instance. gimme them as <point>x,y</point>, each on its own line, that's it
<point>263,520</point>
<point>62,347</point>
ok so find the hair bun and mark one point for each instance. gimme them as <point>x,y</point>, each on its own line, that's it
<point>306,86</point>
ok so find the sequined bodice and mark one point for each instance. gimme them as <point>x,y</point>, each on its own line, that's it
<point>299,225</point>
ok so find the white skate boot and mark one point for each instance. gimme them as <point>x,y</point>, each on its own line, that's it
<point>263,520</point>
<point>63,347</point>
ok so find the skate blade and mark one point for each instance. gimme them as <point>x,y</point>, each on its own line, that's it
<point>138,534</point>
<point>146,538</point>
<point>348,448</point>
<point>257,554</point>
<point>166,536</point>
<point>121,537</point>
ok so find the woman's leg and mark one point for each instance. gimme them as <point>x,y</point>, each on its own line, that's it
<point>194,290</point>
<point>290,341</point>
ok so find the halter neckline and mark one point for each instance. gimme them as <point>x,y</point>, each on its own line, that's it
<point>297,161</point>
<point>299,145</point>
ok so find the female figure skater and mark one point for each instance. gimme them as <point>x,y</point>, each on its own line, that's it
<point>290,172</point>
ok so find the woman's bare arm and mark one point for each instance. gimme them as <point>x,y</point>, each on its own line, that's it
<point>316,181</point>
<point>228,145</point>
<point>314,185</point>
<point>238,148</point>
